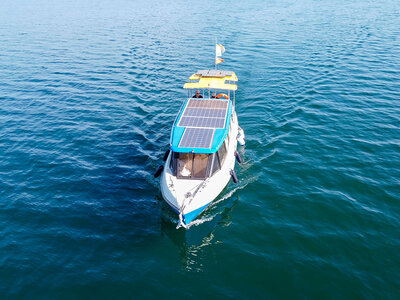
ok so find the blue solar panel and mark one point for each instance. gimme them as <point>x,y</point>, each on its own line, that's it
<point>202,122</point>
<point>197,138</point>
<point>208,103</point>
<point>204,114</point>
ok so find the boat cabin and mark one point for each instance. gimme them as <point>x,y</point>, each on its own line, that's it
<point>200,135</point>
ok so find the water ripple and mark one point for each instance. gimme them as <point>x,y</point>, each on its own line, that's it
<point>89,93</point>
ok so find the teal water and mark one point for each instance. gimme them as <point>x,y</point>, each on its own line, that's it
<point>89,91</point>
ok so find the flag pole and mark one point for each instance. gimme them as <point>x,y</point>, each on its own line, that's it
<point>215,56</point>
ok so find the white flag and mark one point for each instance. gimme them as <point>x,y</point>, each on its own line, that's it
<point>219,49</point>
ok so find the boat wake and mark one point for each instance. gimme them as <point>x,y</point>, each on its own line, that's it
<point>224,197</point>
<point>198,222</point>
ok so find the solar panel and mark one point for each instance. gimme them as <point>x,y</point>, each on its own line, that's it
<point>202,122</point>
<point>197,138</point>
<point>204,114</point>
<point>223,104</point>
<point>214,73</point>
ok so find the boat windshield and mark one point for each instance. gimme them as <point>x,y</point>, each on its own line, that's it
<point>190,165</point>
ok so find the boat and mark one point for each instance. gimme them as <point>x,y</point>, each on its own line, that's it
<point>201,157</point>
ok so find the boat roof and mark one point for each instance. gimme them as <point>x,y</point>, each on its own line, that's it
<point>201,126</point>
<point>212,79</point>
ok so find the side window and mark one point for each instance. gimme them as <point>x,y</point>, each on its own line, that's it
<point>172,163</point>
<point>222,153</point>
<point>227,138</point>
<point>216,165</point>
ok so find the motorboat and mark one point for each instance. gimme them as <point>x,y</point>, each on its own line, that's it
<point>201,157</point>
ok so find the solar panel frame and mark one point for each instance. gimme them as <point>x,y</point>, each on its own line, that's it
<point>204,113</point>
<point>214,73</point>
<point>206,103</point>
<point>212,123</point>
<point>197,138</point>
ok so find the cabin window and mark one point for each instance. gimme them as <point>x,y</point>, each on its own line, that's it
<point>200,163</point>
<point>191,166</point>
<point>216,166</point>
<point>184,165</point>
<point>222,153</point>
<point>172,162</point>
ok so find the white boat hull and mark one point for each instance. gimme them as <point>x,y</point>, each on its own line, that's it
<point>188,197</point>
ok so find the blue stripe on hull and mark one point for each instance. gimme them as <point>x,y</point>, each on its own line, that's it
<point>189,217</point>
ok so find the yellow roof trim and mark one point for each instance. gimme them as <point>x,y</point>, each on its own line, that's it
<point>211,83</point>
<point>212,79</point>
<point>194,77</point>
<point>232,77</point>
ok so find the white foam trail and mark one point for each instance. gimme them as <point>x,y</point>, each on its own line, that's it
<point>230,193</point>
<point>197,222</point>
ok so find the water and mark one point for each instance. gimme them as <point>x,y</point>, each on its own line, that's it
<point>89,91</point>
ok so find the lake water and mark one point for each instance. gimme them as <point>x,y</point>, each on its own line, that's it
<point>89,91</point>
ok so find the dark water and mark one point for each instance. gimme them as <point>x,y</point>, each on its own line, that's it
<point>89,91</point>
